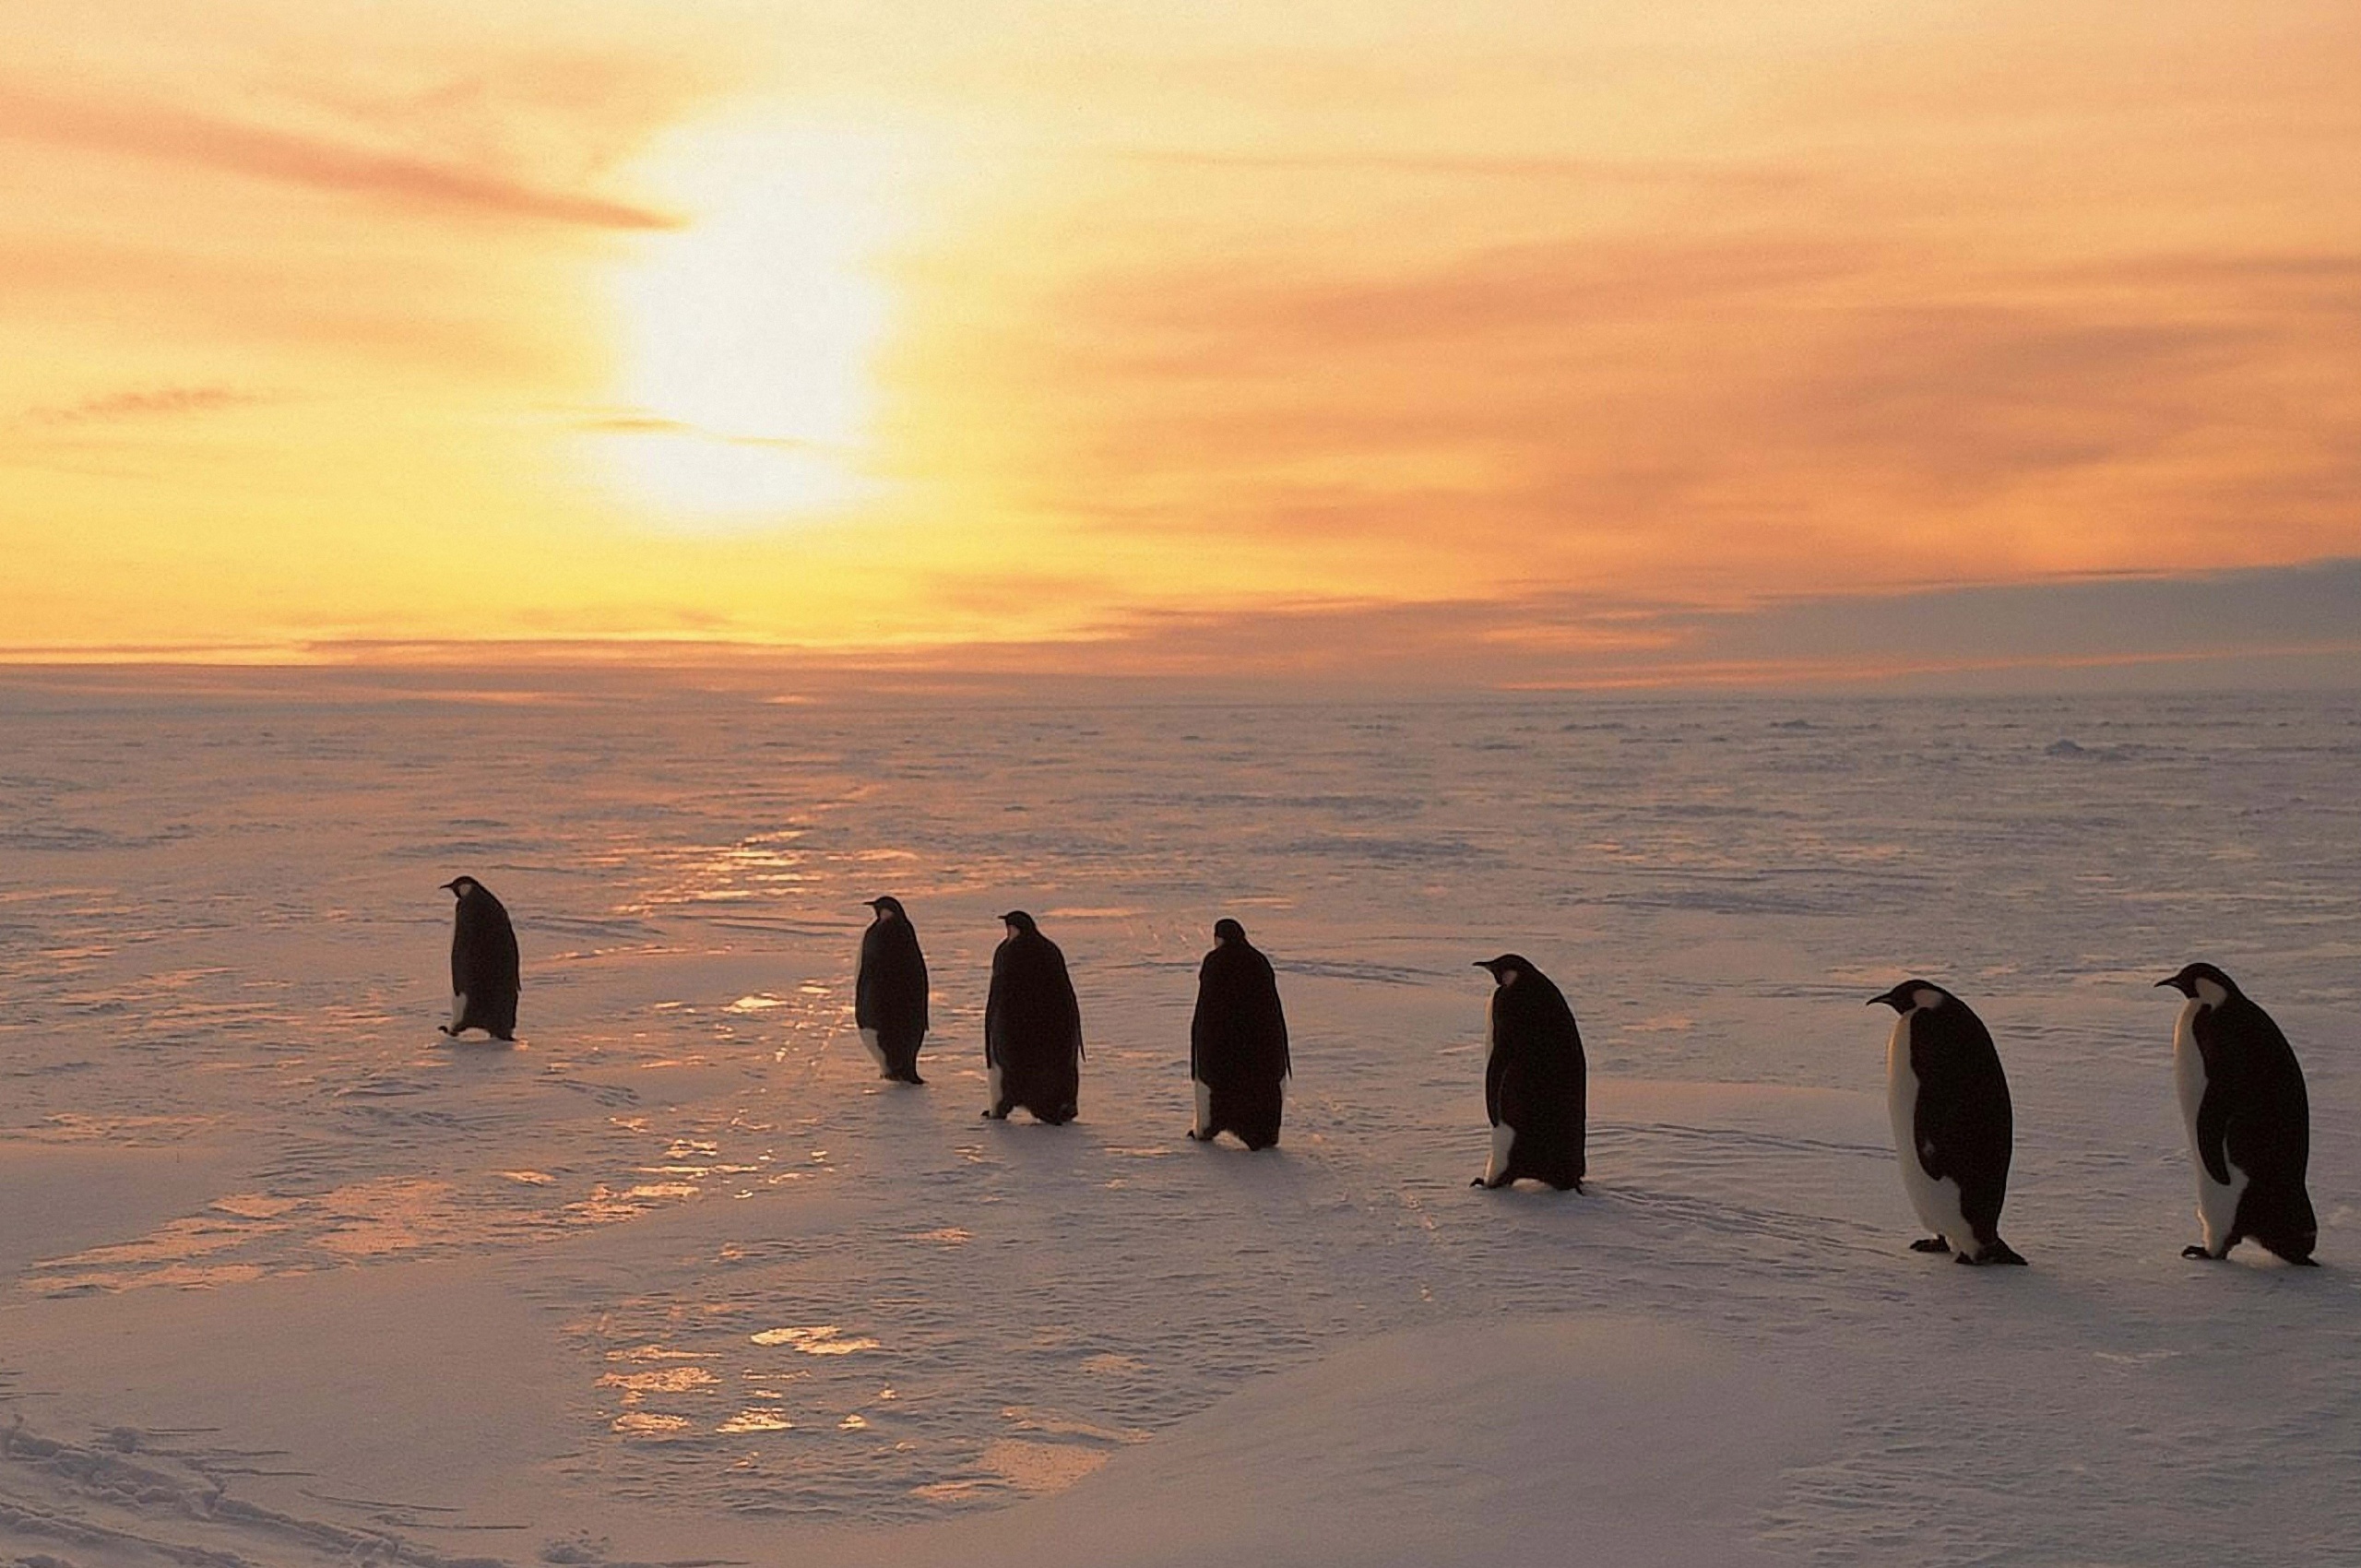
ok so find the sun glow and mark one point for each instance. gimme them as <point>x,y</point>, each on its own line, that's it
<point>748,337</point>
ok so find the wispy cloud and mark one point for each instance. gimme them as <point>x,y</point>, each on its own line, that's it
<point>163,133</point>
<point>1859,410</point>
<point>1465,166</point>
<point>145,403</point>
<point>2271,624</point>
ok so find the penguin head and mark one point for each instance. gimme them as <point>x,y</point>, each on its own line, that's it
<point>1019,924</point>
<point>888,905</point>
<point>2202,982</point>
<point>1229,931</point>
<point>461,885</point>
<point>1506,968</point>
<point>1913,993</point>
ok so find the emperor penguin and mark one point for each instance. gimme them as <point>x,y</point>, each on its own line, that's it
<point>1534,1079</point>
<point>2249,1123</point>
<point>1032,1026</point>
<point>1238,1042</point>
<point>483,963</point>
<point>889,993</point>
<point>1951,1121</point>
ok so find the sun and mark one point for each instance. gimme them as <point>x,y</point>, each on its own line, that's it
<point>747,340</point>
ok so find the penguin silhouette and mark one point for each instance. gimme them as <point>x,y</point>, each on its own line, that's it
<point>1032,1026</point>
<point>1238,1042</point>
<point>483,963</point>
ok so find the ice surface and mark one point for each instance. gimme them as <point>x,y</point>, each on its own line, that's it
<point>284,1276</point>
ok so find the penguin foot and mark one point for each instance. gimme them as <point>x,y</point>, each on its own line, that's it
<point>914,1081</point>
<point>991,1115</point>
<point>1931,1244</point>
<point>446,1031</point>
<point>2194,1250</point>
<point>1999,1252</point>
<point>1195,1136</point>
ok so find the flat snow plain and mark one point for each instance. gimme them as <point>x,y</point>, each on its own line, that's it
<point>286,1279</point>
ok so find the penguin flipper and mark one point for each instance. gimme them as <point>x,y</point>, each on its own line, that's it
<point>2213,1129</point>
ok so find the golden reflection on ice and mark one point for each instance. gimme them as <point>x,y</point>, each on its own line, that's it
<point>1039,1466</point>
<point>174,1241</point>
<point>756,1421</point>
<point>756,868</point>
<point>661,1380</point>
<point>254,1206</point>
<point>824,1339</point>
<point>647,1423</point>
<point>377,1219</point>
<point>606,1205</point>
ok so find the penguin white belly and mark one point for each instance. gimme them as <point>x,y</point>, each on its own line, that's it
<point>1205,1107</point>
<point>1935,1202</point>
<point>876,1051</point>
<point>1503,1135</point>
<point>1503,1140</point>
<point>2217,1202</point>
<point>991,1081</point>
<point>458,1009</point>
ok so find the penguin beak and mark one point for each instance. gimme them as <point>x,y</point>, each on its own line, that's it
<point>450,887</point>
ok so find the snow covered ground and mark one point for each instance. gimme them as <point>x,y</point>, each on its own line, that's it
<point>284,1279</point>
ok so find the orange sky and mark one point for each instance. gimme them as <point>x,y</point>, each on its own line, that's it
<point>876,329</point>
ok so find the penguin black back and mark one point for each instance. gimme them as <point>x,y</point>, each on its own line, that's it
<point>484,978</point>
<point>1535,1091</point>
<point>890,991</point>
<point>1238,1042</point>
<point>1032,1026</point>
